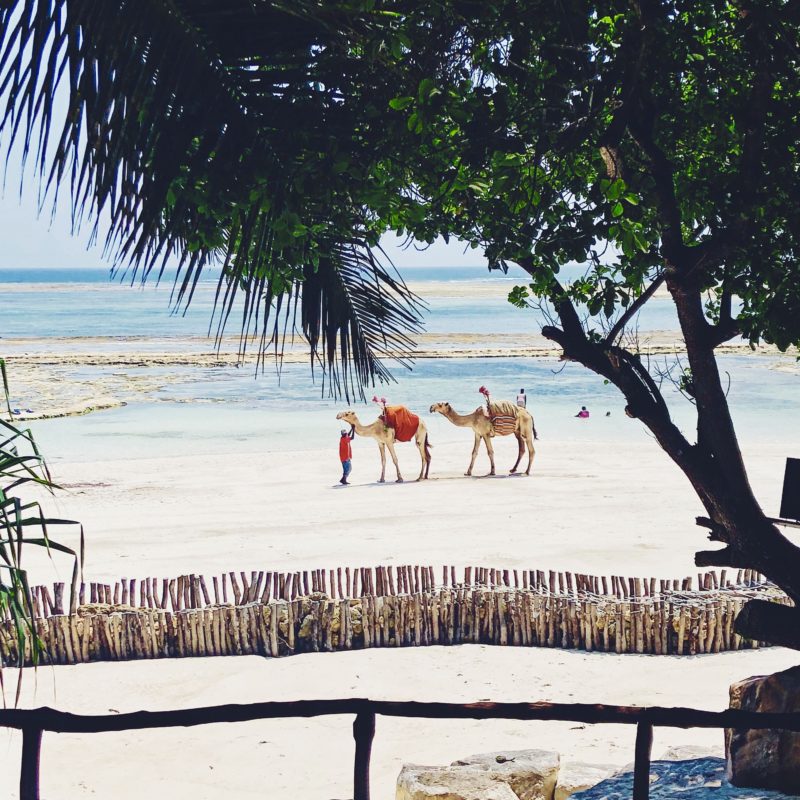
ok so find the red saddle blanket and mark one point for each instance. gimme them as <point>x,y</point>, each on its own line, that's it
<point>405,423</point>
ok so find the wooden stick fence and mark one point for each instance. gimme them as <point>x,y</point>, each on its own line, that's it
<point>275,614</point>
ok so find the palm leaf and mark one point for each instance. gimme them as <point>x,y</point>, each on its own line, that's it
<point>24,524</point>
<point>215,132</point>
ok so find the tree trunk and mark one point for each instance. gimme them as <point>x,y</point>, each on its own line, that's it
<point>714,465</point>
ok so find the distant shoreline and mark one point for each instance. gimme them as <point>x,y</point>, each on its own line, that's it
<point>72,376</point>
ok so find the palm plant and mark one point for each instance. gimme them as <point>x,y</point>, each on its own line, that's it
<point>24,524</point>
<point>224,133</point>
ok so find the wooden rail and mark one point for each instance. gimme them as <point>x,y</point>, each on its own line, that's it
<point>34,722</point>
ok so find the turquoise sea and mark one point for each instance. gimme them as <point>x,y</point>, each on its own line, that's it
<point>63,303</point>
<point>220,409</point>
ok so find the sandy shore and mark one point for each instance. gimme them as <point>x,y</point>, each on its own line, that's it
<point>588,507</point>
<point>72,376</point>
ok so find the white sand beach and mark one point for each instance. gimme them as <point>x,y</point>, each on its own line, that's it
<point>589,506</point>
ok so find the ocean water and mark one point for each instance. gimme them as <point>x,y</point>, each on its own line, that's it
<point>53,303</point>
<point>225,409</point>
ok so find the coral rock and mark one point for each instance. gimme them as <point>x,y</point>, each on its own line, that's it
<point>531,774</point>
<point>450,783</point>
<point>575,776</point>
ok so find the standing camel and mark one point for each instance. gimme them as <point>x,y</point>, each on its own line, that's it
<point>386,436</point>
<point>508,418</point>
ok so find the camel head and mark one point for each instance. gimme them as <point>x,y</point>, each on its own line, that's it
<point>442,408</point>
<point>348,416</point>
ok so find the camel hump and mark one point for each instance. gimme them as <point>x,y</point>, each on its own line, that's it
<point>404,422</point>
<point>504,417</point>
<point>504,408</point>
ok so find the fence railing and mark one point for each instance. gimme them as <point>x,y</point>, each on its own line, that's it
<point>277,614</point>
<point>35,722</point>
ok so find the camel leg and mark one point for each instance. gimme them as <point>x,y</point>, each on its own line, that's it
<point>474,454</point>
<point>521,444</point>
<point>420,440</point>
<point>490,452</point>
<point>426,444</point>
<point>382,448</point>
<point>531,452</point>
<point>392,453</point>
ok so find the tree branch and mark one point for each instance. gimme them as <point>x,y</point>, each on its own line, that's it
<point>716,533</point>
<point>634,308</point>
<point>661,171</point>
<point>565,308</point>
<point>769,622</point>
<point>724,331</point>
<point>724,557</point>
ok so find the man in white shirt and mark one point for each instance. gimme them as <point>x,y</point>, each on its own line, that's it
<point>522,400</point>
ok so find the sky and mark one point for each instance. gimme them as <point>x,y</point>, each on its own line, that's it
<point>29,239</point>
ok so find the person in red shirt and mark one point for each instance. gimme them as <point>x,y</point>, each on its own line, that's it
<point>346,452</point>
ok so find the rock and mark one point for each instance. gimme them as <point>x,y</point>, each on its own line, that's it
<point>688,752</point>
<point>767,759</point>
<point>575,776</point>
<point>450,783</point>
<point>531,774</point>
<point>698,779</point>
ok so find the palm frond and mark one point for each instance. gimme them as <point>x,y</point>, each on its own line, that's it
<point>211,132</point>
<point>352,302</point>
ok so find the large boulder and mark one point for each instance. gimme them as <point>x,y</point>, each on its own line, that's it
<point>698,779</point>
<point>575,776</point>
<point>767,759</point>
<point>531,774</point>
<point>506,775</point>
<point>449,783</point>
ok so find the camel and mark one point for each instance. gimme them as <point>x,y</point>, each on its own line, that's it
<point>521,425</point>
<point>385,437</point>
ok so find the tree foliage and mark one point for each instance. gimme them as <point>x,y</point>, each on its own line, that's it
<point>655,142</point>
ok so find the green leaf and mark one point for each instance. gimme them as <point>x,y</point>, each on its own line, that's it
<point>399,103</point>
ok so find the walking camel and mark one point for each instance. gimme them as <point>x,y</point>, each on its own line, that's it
<point>506,418</point>
<point>397,424</point>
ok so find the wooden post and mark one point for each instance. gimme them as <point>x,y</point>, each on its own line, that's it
<point>363,733</point>
<point>29,773</point>
<point>641,763</point>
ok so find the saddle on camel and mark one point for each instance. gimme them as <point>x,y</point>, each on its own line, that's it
<point>404,422</point>
<point>501,413</point>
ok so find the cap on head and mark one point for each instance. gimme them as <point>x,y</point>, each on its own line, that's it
<point>344,431</point>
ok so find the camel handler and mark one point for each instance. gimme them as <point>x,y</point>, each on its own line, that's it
<point>346,452</point>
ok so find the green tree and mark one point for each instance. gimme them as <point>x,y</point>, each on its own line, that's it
<point>654,141</point>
